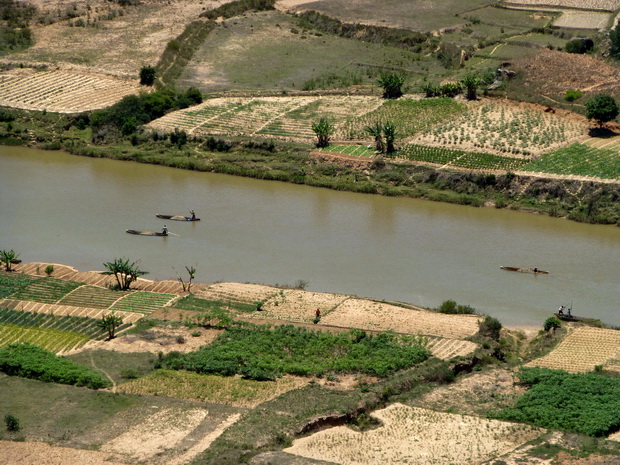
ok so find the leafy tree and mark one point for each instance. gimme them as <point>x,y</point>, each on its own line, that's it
<point>376,131</point>
<point>471,82</point>
<point>124,272</point>
<point>147,76</point>
<point>389,131</point>
<point>323,130</point>
<point>7,257</point>
<point>392,84</point>
<point>194,94</point>
<point>602,108</point>
<point>110,323</point>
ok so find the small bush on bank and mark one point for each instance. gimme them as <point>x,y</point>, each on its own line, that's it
<point>450,306</point>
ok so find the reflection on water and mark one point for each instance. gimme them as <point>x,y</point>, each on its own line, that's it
<point>66,209</point>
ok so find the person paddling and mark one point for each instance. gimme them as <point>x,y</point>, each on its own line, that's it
<point>164,231</point>
<point>193,215</point>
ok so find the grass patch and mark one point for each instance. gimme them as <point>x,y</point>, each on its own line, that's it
<point>121,367</point>
<point>579,159</point>
<point>196,304</point>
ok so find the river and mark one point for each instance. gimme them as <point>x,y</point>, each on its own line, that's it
<point>60,208</point>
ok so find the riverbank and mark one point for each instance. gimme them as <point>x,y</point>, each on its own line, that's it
<point>576,199</point>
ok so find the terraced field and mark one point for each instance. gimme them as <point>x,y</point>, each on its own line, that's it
<point>62,91</point>
<point>142,302</point>
<point>46,290</point>
<point>582,350</point>
<point>50,339</point>
<point>92,297</point>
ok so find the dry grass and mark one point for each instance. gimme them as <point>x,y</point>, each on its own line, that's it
<point>233,391</point>
<point>28,453</point>
<point>607,5</point>
<point>415,436</point>
<point>582,350</point>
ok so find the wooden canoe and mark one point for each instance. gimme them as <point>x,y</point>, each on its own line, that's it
<point>146,233</point>
<point>177,217</point>
<point>523,270</point>
<point>567,317</point>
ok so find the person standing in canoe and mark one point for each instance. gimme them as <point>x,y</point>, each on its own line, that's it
<point>164,230</point>
<point>193,215</point>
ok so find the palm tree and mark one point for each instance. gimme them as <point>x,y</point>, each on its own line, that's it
<point>7,257</point>
<point>110,323</point>
<point>323,130</point>
<point>389,131</point>
<point>376,131</point>
<point>124,272</point>
<point>392,84</point>
<point>471,82</point>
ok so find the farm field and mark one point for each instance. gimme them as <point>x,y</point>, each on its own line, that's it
<point>605,5</point>
<point>415,435</point>
<point>505,129</point>
<point>117,40</point>
<point>580,160</point>
<point>583,20</point>
<point>582,350</point>
<point>62,91</point>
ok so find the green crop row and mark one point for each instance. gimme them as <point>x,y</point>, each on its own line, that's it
<point>579,159</point>
<point>355,150</point>
<point>49,339</point>
<point>265,353</point>
<point>29,361</point>
<point>586,403</point>
<point>46,290</point>
<point>461,159</point>
<point>13,282</point>
<point>81,325</point>
<point>142,302</point>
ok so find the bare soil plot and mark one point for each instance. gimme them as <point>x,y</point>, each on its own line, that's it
<point>288,118</point>
<point>62,91</point>
<point>416,436</point>
<point>366,314</point>
<point>474,393</point>
<point>582,350</point>
<point>554,72</point>
<point>606,5</point>
<point>506,128</point>
<point>28,453</point>
<point>117,45</point>
<point>583,20</point>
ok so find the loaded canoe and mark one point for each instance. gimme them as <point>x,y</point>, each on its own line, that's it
<point>566,317</point>
<point>177,217</point>
<point>146,233</point>
<point>523,270</point>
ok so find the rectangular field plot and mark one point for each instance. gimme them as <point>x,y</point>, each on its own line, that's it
<point>46,290</point>
<point>142,302</point>
<point>410,435</point>
<point>10,283</point>
<point>605,5</point>
<point>50,339</point>
<point>579,160</point>
<point>92,297</point>
<point>583,20</point>
<point>582,350</point>
<point>505,129</point>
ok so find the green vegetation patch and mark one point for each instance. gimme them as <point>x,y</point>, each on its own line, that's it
<point>460,158</point>
<point>408,115</point>
<point>586,403</point>
<point>265,353</point>
<point>91,296</point>
<point>142,302</point>
<point>75,324</point>
<point>196,304</point>
<point>13,282</point>
<point>46,290</point>
<point>121,367</point>
<point>50,339</point>
<point>29,361</point>
<point>579,159</point>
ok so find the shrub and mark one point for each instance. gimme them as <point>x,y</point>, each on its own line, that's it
<point>49,269</point>
<point>490,327</point>
<point>450,306</point>
<point>147,76</point>
<point>12,423</point>
<point>552,323</point>
<point>571,95</point>
<point>602,108</point>
<point>29,361</point>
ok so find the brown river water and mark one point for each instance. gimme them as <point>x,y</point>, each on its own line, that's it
<point>60,208</point>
